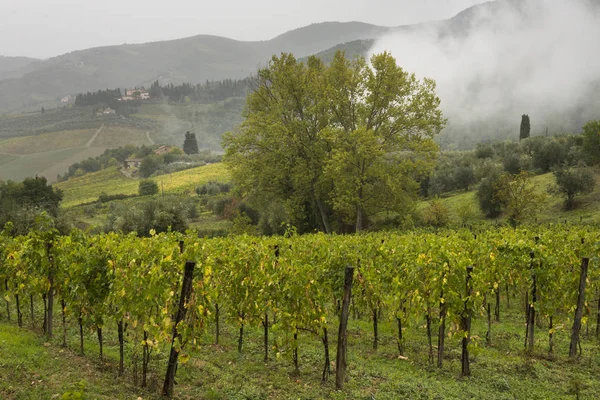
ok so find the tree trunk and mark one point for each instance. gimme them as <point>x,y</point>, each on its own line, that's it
<point>359,218</point>
<point>342,345</point>
<point>507,297</point>
<point>579,309</point>
<point>324,217</point>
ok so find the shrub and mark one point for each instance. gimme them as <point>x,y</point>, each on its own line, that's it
<point>436,214</point>
<point>147,187</point>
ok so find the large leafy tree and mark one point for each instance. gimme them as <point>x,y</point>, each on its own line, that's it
<point>336,144</point>
<point>573,181</point>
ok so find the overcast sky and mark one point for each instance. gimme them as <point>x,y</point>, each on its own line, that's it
<point>46,28</point>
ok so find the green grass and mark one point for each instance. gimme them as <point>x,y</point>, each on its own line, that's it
<point>30,369</point>
<point>499,371</point>
<point>87,188</point>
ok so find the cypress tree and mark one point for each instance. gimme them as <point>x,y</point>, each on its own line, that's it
<point>190,145</point>
<point>525,127</point>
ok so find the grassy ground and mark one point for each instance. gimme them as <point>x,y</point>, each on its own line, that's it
<point>87,188</point>
<point>31,370</point>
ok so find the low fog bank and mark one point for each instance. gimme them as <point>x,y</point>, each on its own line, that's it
<point>499,60</point>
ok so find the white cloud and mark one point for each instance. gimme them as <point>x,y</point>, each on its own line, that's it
<point>533,56</point>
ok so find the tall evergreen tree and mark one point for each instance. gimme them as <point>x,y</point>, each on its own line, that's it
<point>190,145</point>
<point>525,127</point>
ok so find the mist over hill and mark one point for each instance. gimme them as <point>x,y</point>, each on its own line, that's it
<point>498,60</point>
<point>492,63</point>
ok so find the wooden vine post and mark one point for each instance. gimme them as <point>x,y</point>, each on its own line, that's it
<point>342,345</point>
<point>186,292</point>
<point>579,309</point>
<point>466,325</point>
<point>50,292</point>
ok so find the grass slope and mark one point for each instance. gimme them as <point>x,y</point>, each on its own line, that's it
<point>587,206</point>
<point>30,370</point>
<point>37,163</point>
<point>87,188</point>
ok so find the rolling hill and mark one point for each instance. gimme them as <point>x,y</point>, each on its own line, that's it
<point>193,59</point>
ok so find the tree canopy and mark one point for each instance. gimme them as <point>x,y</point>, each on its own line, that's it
<point>335,144</point>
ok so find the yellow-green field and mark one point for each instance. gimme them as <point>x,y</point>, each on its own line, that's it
<point>46,142</point>
<point>87,188</point>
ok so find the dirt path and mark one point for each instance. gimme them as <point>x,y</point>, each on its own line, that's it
<point>89,143</point>
<point>149,138</point>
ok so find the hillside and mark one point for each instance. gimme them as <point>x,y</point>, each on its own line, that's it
<point>587,208</point>
<point>110,181</point>
<point>14,67</point>
<point>193,59</point>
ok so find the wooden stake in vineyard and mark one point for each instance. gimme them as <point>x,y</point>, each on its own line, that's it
<point>579,309</point>
<point>186,292</point>
<point>466,326</point>
<point>342,346</point>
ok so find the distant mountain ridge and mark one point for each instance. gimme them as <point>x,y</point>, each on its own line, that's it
<point>14,67</point>
<point>194,59</point>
